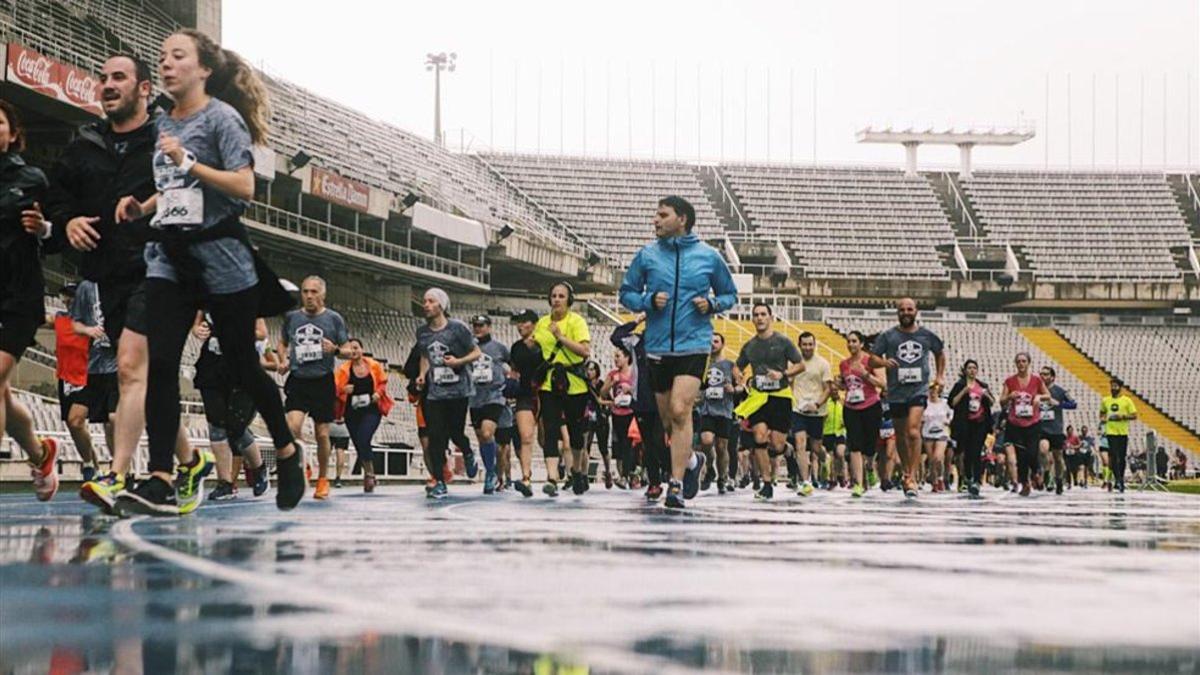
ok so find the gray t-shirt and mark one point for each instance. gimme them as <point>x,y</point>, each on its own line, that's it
<point>762,355</point>
<point>85,308</point>
<point>443,382</point>
<point>911,351</point>
<point>218,137</point>
<point>488,374</point>
<point>303,333</point>
<point>715,401</point>
<point>507,419</point>
<point>1052,417</point>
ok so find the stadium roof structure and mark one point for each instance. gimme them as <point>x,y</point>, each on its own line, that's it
<point>965,139</point>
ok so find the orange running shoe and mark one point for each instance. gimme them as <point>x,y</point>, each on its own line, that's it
<point>322,491</point>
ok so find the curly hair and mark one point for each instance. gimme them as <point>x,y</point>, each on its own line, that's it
<point>234,82</point>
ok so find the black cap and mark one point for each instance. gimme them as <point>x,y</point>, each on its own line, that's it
<point>524,315</point>
<point>481,320</point>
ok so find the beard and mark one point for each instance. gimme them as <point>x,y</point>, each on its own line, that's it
<point>907,321</point>
<point>126,110</point>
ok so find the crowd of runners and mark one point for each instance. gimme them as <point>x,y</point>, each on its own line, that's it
<point>151,198</point>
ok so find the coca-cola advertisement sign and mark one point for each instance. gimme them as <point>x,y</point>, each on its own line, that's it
<point>340,190</point>
<point>50,78</point>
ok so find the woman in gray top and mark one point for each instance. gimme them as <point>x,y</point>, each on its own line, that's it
<point>200,256</point>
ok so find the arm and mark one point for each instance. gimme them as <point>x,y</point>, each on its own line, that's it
<point>583,349</point>
<point>1004,394</point>
<point>80,328</point>
<point>794,369</point>
<point>458,362</point>
<point>825,393</point>
<point>1067,403</point>
<point>877,363</point>
<point>633,293</point>
<point>724,290</point>
<point>606,388</point>
<point>957,393</point>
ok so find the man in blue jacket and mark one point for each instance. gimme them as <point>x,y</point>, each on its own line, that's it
<point>680,283</point>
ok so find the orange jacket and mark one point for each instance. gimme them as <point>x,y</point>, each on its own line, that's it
<point>341,378</point>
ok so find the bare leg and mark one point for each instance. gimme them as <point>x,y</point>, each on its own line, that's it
<point>77,426</point>
<point>133,367</point>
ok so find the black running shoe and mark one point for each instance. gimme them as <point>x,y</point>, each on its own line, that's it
<point>153,497</point>
<point>578,483</point>
<point>550,489</point>
<point>744,482</point>
<point>223,492</point>
<point>691,477</point>
<point>674,498</point>
<point>767,492</point>
<point>290,481</point>
<point>524,488</point>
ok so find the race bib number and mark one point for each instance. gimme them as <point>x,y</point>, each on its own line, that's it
<point>69,388</point>
<point>481,373</point>
<point>1047,414</point>
<point>974,405</point>
<point>214,345</point>
<point>933,431</point>
<point>855,395</point>
<point>909,375</point>
<point>1024,410</point>
<point>714,393</point>
<point>764,383</point>
<point>360,401</point>
<point>307,353</point>
<point>180,207</point>
<point>623,400</point>
<point>444,375</point>
<point>887,433</point>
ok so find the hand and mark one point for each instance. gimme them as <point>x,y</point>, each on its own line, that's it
<point>327,346</point>
<point>348,389</point>
<point>939,382</point>
<point>95,332</point>
<point>201,331</point>
<point>129,208</point>
<point>774,375</point>
<point>81,234</point>
<point>809,407</point>
<point>33,221</point>
<point>451,361</point>
<point>729,388</point>
<point>556,330</point>
<point>284,364</point>
<point>171,147</point>
<point>375,397</point>
<point>420,382</point>
<point>891,364</point>
<point>639,317</point>
<point>660,300</point>
<point>702,305</point>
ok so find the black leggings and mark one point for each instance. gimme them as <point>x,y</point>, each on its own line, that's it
<point>1118,449</point>
<point>443,419</point>
<point>598,430</point>
<point>172,311</point>
<point>1025,441</point>
<point>862,429</point>
<point>621,447</point>
<point>655,454</point>
<point>971,446</point>
<point>558,410</point>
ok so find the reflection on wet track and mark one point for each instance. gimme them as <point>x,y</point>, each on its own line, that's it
<point>392,583</point>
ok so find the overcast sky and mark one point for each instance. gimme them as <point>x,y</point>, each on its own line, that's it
<point>644,78</point>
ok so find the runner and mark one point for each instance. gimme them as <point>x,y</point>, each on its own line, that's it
<point>863,411</point>
<point>834,436</point>
<point>887,459</point>
<point>773,360</point>
<point>106,160</point>
<point>526,359</point>
<point>904,350</point>
<point>228,412</point>
<point>339,440</point>
<point>1022,395</point>
<point>646,430</point>
<point>363,401</point>
<point>599,419</point>
<point>201,252</point>
<point>681,283</point>
<point>312,336</point>
<point>71,351</point>
<point>1087,456</point>
<point>619,388</point>
<point>566,344</point>
<point>722,382</point>
<point>22,190</point>
<point>1053,436</point>
<point>1116,411</point>
<point>811,388</point>
<point>102,394</point>
<point>972,403</point>
<point>446,347</point>
<point>935,431</point>
<point>488,374</point>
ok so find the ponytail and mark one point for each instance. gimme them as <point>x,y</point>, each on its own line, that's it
<point>234,82</point>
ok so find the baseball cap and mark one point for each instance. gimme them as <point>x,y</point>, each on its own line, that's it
<point>481,320</point>
<point>524,315</point>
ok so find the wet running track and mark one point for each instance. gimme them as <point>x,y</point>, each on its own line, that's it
<point>389,582</point>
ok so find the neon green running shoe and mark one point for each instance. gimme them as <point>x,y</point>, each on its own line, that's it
<point>189,482</point>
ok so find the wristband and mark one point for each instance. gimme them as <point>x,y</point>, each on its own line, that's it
<point>189,161</point>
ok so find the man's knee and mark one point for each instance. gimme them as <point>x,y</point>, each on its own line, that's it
<point>77,418</point>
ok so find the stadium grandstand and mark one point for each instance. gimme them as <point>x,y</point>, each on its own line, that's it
<point>1095,273</point>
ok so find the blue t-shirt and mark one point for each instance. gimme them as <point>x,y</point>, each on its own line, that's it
<point>488,372</point>
<point>85,308</point>
<point>217,135</point>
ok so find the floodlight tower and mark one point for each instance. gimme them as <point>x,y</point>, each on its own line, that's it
<point>437,63</point>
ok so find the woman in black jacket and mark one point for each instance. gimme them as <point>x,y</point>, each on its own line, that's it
<point>972,402</point>
<point>22,191</point>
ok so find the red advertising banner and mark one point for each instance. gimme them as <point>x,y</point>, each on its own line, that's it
<point>340,190</point>
<point>48,77</point>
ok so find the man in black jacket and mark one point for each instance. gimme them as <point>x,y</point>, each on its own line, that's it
<point>107,160</point>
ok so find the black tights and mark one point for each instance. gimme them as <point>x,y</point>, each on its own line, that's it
<point>656,455</point>
<point>971,447</point>
<point>444,419</point>
<point>1118,448</point>
<point>171,312</point>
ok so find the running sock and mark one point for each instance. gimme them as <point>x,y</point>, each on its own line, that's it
<point>488,450</point>
<point>692,462</point>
